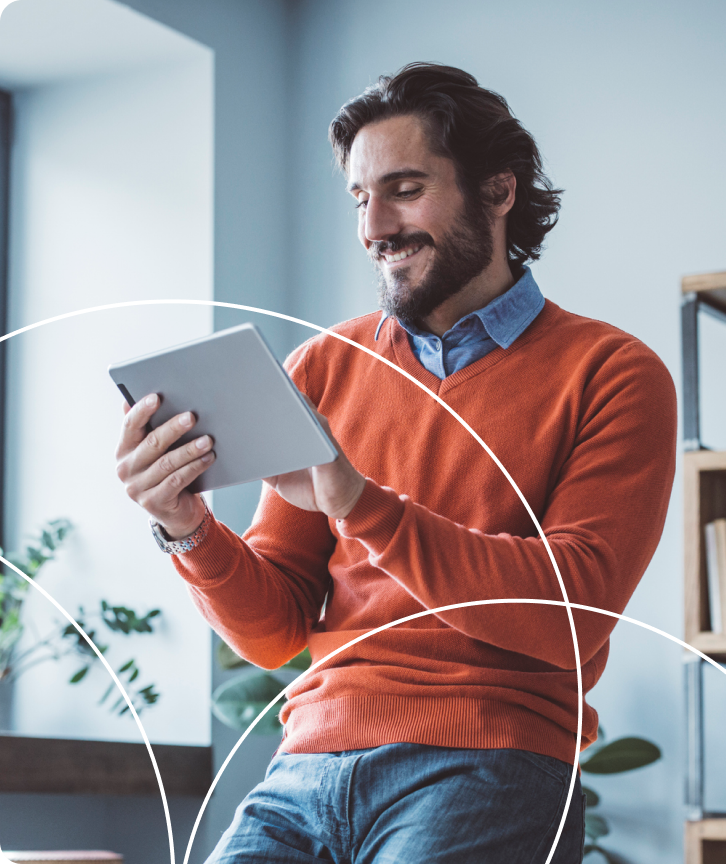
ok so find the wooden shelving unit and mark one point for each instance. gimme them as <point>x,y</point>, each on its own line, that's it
<point>706,841</point>
<point>704,501</point>
<point>704,476</point>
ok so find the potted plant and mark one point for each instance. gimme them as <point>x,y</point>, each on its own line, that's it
<point>64,640</point>
<point>615,757</point>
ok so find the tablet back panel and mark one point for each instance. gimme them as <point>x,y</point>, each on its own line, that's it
<point>240,395</point>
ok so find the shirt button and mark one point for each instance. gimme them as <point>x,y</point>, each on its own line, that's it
<point>438,345</point>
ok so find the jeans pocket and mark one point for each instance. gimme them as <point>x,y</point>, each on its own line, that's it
<point>556,768</point>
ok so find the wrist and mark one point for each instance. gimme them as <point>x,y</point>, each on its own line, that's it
<point>178,530</point>
<point>345,511</point>
<point>184,543</point>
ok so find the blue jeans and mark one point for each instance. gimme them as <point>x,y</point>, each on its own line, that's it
<point>407,804</point>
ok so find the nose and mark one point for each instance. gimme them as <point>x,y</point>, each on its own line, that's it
<point>379,222</point>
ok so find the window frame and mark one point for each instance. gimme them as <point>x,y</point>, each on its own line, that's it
<point>6,137</point>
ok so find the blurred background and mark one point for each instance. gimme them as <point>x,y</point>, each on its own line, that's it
<point>177,150</point>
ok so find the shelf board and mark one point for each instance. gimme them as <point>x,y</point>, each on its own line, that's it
<point>708,829</point>
<point>102,767</point>
<point>711,287</point>
<point>706,841</point>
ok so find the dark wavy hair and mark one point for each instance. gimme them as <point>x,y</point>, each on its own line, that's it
<point>476,130</point>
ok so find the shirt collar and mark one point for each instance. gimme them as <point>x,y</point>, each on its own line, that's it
<point>506,317</point>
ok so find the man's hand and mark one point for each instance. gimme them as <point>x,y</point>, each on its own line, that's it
<point>333,489</point>
<point>157,480</point>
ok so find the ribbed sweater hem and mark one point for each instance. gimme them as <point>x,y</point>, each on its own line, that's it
<point>353,723</point>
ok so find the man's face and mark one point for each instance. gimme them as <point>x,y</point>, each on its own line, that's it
<point>410,205</point>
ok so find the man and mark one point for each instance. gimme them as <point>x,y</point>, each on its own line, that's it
<point>450,738</point>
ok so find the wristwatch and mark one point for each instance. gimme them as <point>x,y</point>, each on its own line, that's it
<point>179,547</point>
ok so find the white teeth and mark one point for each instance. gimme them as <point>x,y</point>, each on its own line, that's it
<point>399,256</point>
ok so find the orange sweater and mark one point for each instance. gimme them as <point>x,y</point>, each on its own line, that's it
<point>581,414</point>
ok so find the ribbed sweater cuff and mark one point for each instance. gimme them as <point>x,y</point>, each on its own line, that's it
<point>210,563</point>
<point>375,518</point>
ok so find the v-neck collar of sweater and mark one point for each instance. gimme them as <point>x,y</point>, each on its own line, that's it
<point>397,339</point>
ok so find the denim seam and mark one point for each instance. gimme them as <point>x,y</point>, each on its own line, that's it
<point>549,833</point>
<point>320,808</point>
<point>347,811</point>
<point>534,758</point>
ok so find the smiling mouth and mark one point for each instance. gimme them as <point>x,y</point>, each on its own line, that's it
<point>396,257</point>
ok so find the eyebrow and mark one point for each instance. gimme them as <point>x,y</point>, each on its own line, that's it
<point>403,174</point>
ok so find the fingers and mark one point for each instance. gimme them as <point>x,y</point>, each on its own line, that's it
<point>138,448</point>
<point>163,499</point>
<point>161,488</point>
<point>155,444</point>
<point>142,457</point>
<point>176,468</point>
<point>133,430</point>
<point>157,479</point>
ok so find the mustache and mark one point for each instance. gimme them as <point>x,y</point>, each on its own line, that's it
<point>394,244</point>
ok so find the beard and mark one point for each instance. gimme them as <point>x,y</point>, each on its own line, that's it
<point>462,254</point>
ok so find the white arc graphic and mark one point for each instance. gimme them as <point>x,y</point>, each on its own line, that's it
<point>116,681</point>
<point>448,608</point>
<point>564,603</point>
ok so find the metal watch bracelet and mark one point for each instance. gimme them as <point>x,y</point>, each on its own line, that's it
<point>179,547</point>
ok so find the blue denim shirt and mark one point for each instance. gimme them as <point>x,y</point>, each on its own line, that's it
<point>476,334</point>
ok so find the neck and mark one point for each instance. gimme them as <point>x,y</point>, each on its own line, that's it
<point>492,282</point>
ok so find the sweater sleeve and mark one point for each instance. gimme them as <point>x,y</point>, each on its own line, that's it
<point>603,520</point>
<point>263,592</point>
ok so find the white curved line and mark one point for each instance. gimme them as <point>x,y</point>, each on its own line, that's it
<point>448,608</point>
<point>116,681</point>
<point>459,419</point>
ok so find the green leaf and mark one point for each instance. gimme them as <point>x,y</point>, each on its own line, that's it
<point>228,658</point>
<point>121,619</point>
<point>302,661</point>
<point>238,702</point>
<point>624,754</point>
<point>149,695</point>
<point>126,666</point>
<point>47,540</point>
<point>595,826</point>
<point>80,675</point>
<point>593,799</point>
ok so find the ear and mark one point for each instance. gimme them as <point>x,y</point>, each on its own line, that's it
<point>501,191</point>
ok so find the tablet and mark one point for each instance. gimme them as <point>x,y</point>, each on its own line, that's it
<point>240,395</point>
